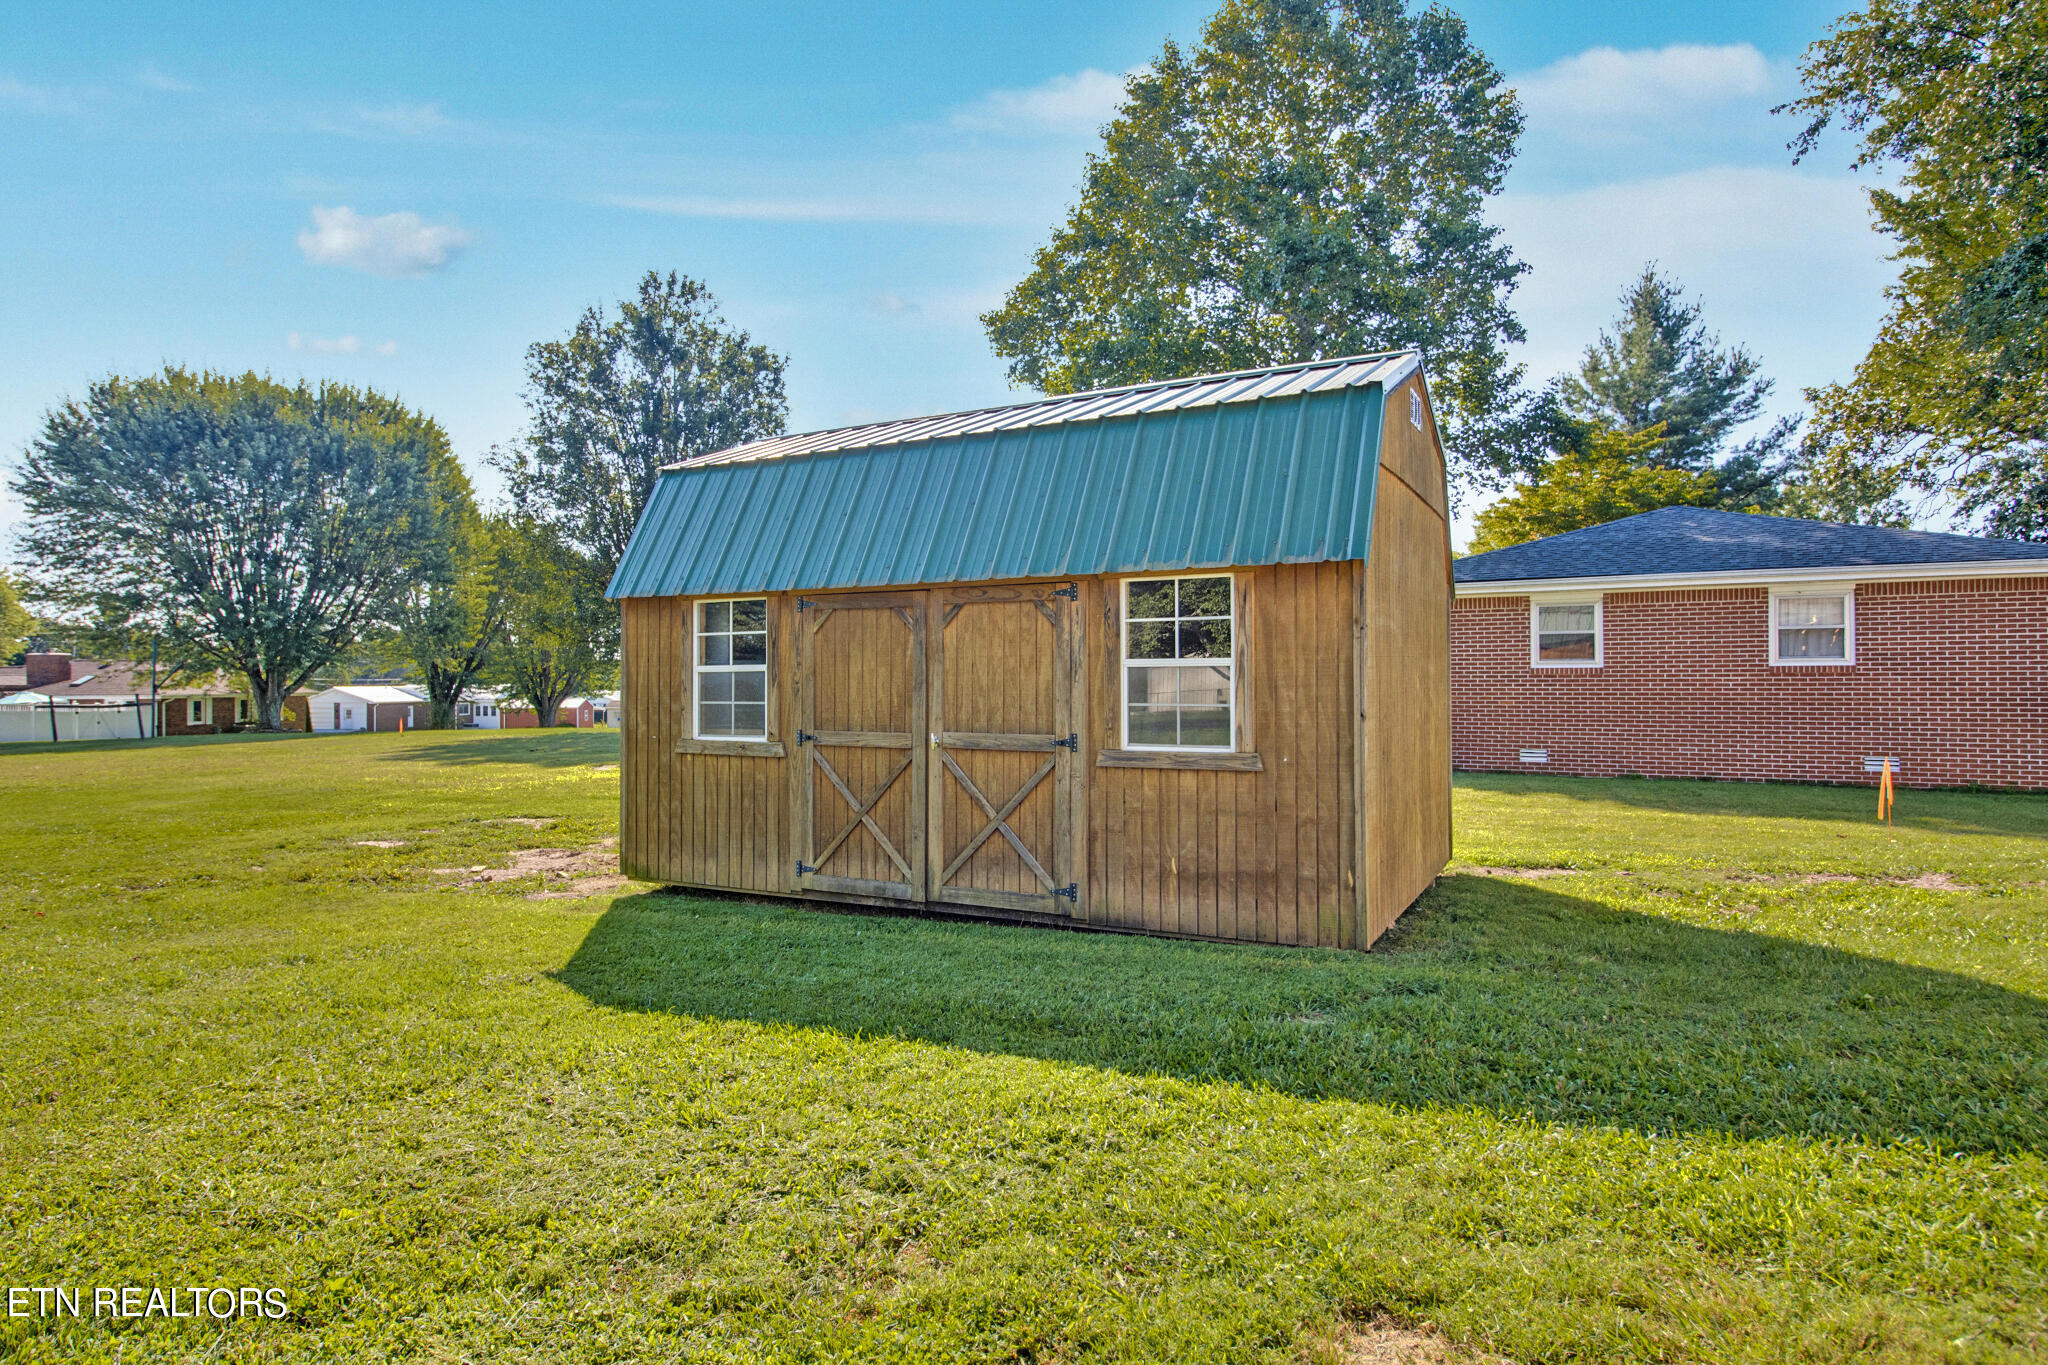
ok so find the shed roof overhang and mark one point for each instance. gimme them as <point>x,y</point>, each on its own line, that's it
<point>1270,467</point>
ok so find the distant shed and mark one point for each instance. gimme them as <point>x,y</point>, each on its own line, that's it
<point>1169,658</point>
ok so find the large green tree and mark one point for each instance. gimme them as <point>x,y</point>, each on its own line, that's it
<point>1614,475</point>
<point>663,379</point>
<point>1308,181</point>
<point>451,616</point>
<point>1952,397</point>
<point>255,526</point>
<point>561,636</point>
<point>1660,368</point>
<point>16,621</point>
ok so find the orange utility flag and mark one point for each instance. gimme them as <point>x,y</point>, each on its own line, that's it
<point>1884,793</point>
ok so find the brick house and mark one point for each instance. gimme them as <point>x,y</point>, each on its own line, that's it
<point>1694,643</point>
<point>206,706</point>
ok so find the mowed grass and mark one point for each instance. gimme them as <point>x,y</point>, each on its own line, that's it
<point>1661,1096</point>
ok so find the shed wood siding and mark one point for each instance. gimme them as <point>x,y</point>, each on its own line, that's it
<point>695,819</point>
<point>1265,853</point>
<point>1406,731</point>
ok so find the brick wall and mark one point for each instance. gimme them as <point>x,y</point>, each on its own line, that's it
<point>1950,677</point>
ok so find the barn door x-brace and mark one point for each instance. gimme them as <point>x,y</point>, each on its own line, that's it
<point>1004,780</point>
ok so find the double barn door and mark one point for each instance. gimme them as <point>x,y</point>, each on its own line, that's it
<point>935,754</point>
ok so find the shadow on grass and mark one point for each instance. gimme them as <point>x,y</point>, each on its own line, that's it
<point>100,746</point>
<point>2020,814</point>
<point>1513,998</point>
<point>558,747</point>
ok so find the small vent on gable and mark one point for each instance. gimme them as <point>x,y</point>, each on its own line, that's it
<point>1876,765</point>
<point>1535,755</point>
<point>1415,408</point>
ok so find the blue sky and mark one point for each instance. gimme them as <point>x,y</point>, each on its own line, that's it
<point>406,196</point>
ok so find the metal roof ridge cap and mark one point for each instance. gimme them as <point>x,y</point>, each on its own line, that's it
<point>1409,354</point>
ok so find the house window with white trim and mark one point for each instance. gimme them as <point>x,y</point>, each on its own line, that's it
<point>731,669</point>
<point>1813,627</point>
<point>1566,634</point>
<point>241,710</point>
<point>195,711</point>
<point>1180,663</point>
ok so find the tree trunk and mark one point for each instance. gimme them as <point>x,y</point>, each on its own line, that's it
<point>269,695</point>
<point>546,707</point>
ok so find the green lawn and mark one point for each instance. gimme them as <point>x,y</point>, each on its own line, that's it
<point>1718,1082</point>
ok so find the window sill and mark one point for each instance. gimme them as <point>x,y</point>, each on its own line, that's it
<point>738,748</point>
<point>1813,663</point>
<point>1191,762</point>
<point>1570,663</point>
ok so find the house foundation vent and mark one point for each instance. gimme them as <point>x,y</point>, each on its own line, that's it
<point>1535,755</point>
<point>1876,765</point>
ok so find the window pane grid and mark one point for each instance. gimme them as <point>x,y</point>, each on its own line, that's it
<point>1179,656</point>
<point>731,669</point>
<point>1567,633</point>
<point>1812,628</point>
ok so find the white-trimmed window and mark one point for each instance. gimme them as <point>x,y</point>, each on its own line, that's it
<point>241,710</point>
<point>195,711</point>
<point>1813,626</point>
<point>731,670</point>
<point>1566,633</point>
<point>1180,663</point>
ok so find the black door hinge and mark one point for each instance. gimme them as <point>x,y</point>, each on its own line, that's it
<point>1070,742</point>
<point>806,603</point>
<point>804,737</point>
<point>1072,592</point>
<point>1072,891</point>
<point>803,868</point>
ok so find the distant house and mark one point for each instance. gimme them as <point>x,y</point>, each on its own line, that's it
<point>1695,643</point>
<point>369,707</point>
<point>209,706</point>
<point>480,710</point>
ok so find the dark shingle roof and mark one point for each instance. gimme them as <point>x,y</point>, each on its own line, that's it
<point>1687,540</point>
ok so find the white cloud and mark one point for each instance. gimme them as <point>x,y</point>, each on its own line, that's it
<point>394,245</point>
<point>1604,84</point>
<point>1080,103</point>
<point>154,77</point>
<point>1785,263</point>
<point>406,120</point>
<point>905,209</point>
<point>891,304</point>
<point>44,99</point>
<point>299,341</point>
<point>341,345</point>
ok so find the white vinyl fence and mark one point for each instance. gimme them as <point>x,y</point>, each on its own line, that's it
<point>27,724</point>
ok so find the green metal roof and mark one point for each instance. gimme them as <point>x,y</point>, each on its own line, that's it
<point>1274,468</point>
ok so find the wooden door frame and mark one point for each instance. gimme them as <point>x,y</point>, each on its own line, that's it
<point>1060,600</point>
<point>913,609</point>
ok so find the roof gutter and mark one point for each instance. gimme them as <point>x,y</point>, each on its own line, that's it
<point>1739,578</point>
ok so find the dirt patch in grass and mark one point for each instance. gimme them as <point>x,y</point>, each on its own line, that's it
<point>380,843</point>
<point>1389,1343</point>
<point>565,873</point>
<point>530,821</point>
<point>1532,873</point>
<point>1926,881</point>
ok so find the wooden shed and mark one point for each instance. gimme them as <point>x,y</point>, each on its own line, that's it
<point>1170,658</point>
